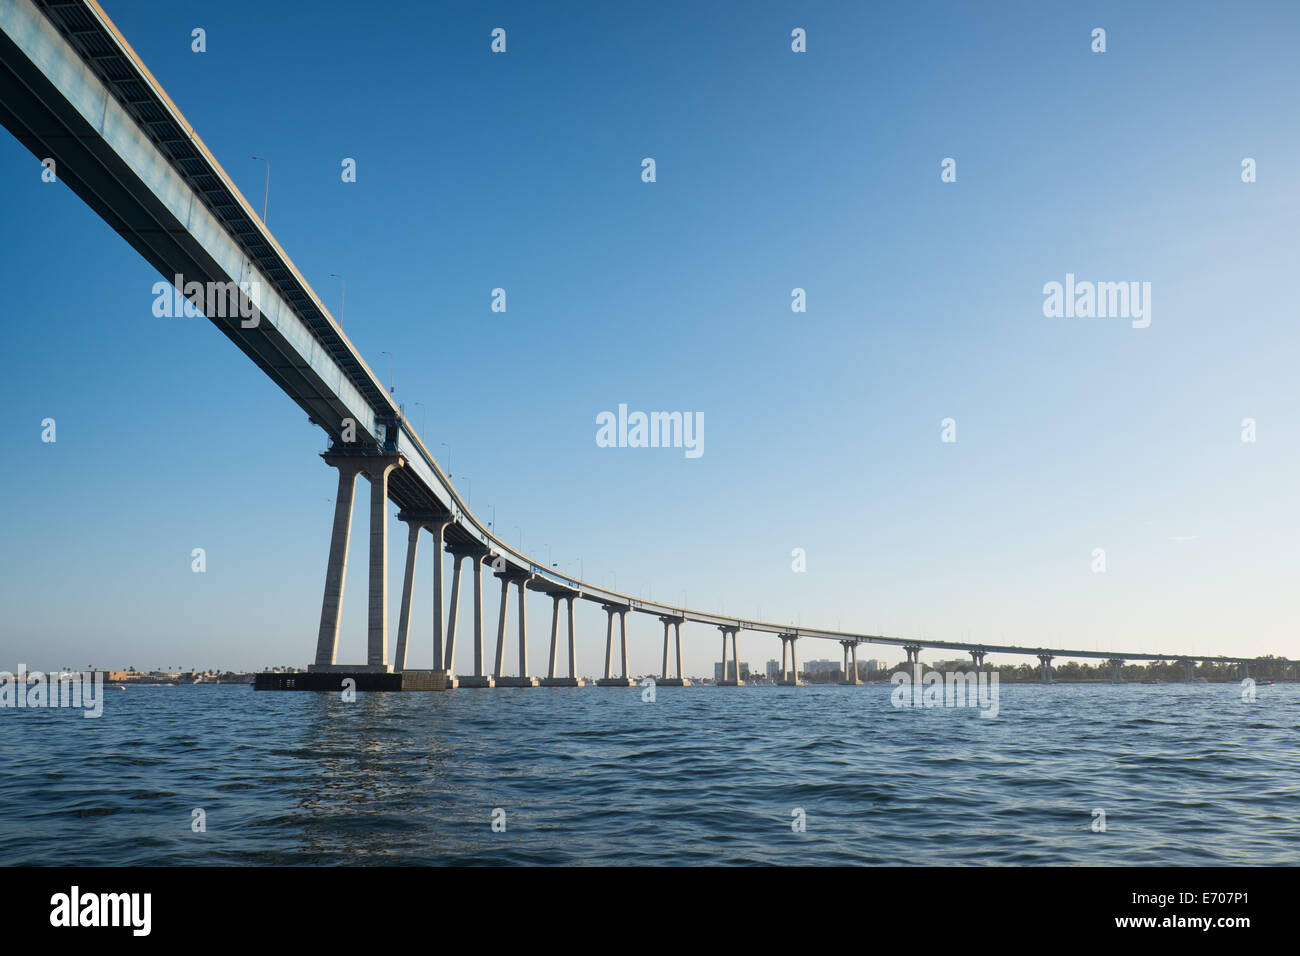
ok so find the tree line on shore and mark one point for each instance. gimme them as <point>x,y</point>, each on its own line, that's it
<point>1170,671</point>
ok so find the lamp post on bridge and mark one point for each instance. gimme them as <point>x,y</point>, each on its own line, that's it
<point>343,293</point>
<point>266,193</point>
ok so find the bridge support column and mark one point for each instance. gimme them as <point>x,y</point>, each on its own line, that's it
<point>377,637</point>
<point>376,470</point>
<point>622,630</point>
<point>408,583</point>
<point>1116,670</point>
<point>913,654</point>
<point>1245,669</point>
<point>453,614</point>
<point>439,529</point>
<point>417,523</point>
<point>573,647</point>
<point>730,632</point>
<point>327,640</point>
<point>680,680</point>
<point>789,673</point>
<point>609,680</point>
<point>794,660</point>
<point>555,634</point>
<point>664,671</point>
<point>1045,671</point>
<point>478,678</point>
<point>522,680</point>
<point>501,627</point>
<point>609,642</point>
<point>677,635</point>
<point>977,658</point>
<point>850,665</point>
<point>572,680</point>
<point>523,629</point>
<point>1189,668</point>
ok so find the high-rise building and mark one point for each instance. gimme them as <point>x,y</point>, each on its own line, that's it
<point>821,667</point>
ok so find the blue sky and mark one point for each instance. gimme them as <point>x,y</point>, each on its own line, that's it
<point>775,170</point>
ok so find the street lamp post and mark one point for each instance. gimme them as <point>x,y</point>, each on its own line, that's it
<point>343,293</point>
<point>266,194</point>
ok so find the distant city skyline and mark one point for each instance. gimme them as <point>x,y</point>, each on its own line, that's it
<point>924,452</point>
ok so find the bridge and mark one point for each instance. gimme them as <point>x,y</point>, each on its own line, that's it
<point>72,90</point>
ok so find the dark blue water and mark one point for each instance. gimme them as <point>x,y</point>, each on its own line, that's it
<point>1187,774</point>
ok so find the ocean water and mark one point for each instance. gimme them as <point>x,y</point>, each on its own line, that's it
<point>1186,774</point>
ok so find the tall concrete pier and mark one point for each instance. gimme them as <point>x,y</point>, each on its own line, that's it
<point>729,631</point>
<point>789,673</point>
<point>680,680</point>
<point>609,680</point>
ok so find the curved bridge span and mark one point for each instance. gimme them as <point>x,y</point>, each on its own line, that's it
<point>73,90</point>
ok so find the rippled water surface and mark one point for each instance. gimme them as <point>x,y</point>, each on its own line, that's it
<point>1186,774</point>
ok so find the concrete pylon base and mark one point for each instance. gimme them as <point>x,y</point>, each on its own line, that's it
<point>361,680</point>
<point>851,683</point>
<point>672,682</point>
<point>616,682</point>
<point>789,683</point>
<point>471,680</point>
<point>349,669</point>
<point>731,683</point>
<point>516,681</point>
<point>562,682</point>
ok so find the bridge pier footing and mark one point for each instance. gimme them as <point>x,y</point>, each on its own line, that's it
<point>362,680</point>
